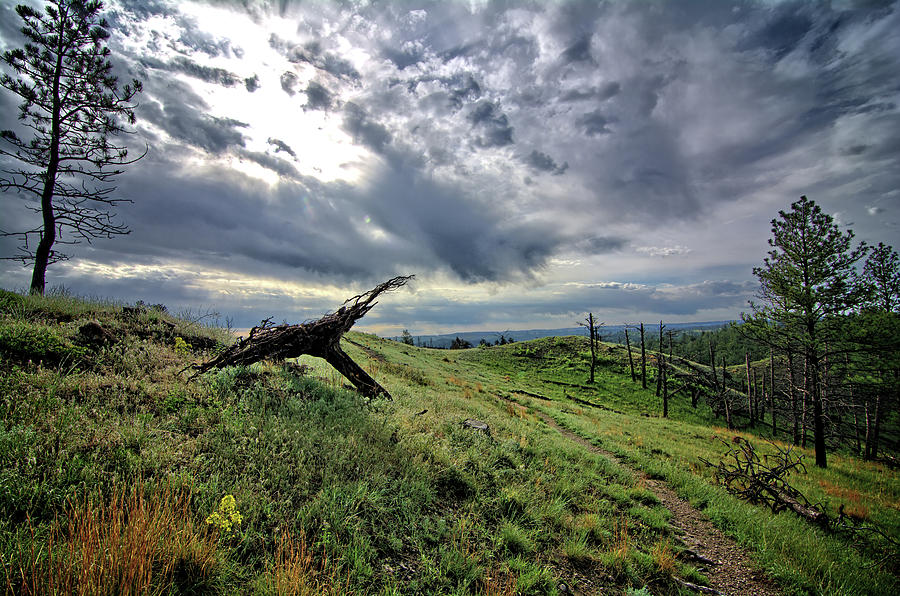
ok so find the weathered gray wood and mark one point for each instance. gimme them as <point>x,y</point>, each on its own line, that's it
<point>319,338</point>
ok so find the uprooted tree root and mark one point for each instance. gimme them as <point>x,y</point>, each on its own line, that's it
<point>316,338</point>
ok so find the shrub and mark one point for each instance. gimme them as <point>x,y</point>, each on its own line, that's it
<point>25,342</point>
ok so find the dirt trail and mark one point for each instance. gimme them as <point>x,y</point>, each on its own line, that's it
<point>729,568</point>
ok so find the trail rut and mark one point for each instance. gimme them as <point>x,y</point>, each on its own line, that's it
<point>728,566</point>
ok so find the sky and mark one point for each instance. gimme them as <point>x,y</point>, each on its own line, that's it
<point>528,162</point>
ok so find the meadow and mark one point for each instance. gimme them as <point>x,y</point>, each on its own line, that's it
<point>119,473</point>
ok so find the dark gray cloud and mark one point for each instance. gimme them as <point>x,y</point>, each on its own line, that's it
<point>579,51</point>
<point>219,76</point>
<point>288,82</point>
<point>476,240</point>
<point>783,30</point>
<point>313,54</point>
<point>281,146</point>
<point>598,245</point>
<point>318,97</point>
<point>181,113</point>
<point>543,162</point>
<point>252,83</point>
<point>406,56</point>
<point>364,129</point>
<point>278,165</point>
<point>595,123</point>
<point>598,94</point>
<point>493,124</point>
<point>463,88</point>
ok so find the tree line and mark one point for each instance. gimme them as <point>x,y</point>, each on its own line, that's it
<point>817,357</point>
<point>834,325</point>
<point>457,343</point>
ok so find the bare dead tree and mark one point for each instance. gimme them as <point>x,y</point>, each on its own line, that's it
<point>319,338</point>
<point>593,328</point>
<point>665,386</point>
<point>749,386</point>
<point>659,361</point>
<point>725,400</point>
<point>643,360</point>
<point>712,365</point>
<point>792,388</point>
<point>630,359</point>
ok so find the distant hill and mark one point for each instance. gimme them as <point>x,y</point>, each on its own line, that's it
<point>610,333</point>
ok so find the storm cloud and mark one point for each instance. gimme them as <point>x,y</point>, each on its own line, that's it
<point>538,159</point>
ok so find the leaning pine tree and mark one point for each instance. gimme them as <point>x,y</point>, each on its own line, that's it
<point>806,282</point>
<point>71,106</point>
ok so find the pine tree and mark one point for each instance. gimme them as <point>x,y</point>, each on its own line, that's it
<point>875,331</point>
<point>71,106</point>
<point>881,278</point>
<point>807,281</point>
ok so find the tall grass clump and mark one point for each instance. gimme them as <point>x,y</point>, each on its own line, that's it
<point>295,571</point>
<point>139,540</point>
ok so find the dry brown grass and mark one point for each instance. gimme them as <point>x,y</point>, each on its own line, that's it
<point>499,583</point>
<point>127,544</point>
<point>663,557</point>
<point>518,411</point>
<point>619,547</point>
<point>853,500</point>
<point>296,571</point>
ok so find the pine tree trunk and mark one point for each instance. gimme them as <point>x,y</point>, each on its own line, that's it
<point>793,398</point>
<point>659,362</point>
<point>48,234</point>
<point>772,394</point>
<point>761,399</point>
<point>593,349</point>
<point>725,397</point>
<point>868,454</point>
<point>876,426</point>
<point>805,402</point>
<point>818,413</point>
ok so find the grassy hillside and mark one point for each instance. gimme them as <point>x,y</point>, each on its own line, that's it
<point>119,473</point>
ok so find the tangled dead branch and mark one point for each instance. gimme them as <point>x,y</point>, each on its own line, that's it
<point>316,338</point>
<point>763,479</point>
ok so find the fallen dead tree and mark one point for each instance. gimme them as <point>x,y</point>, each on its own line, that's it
<point>763,479</point>
<point>320,338</point>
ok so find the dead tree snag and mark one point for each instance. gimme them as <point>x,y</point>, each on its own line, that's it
<point>320,338</point>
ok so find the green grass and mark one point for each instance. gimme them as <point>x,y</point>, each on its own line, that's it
<point>338,494</point>
<point>627,420</point>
